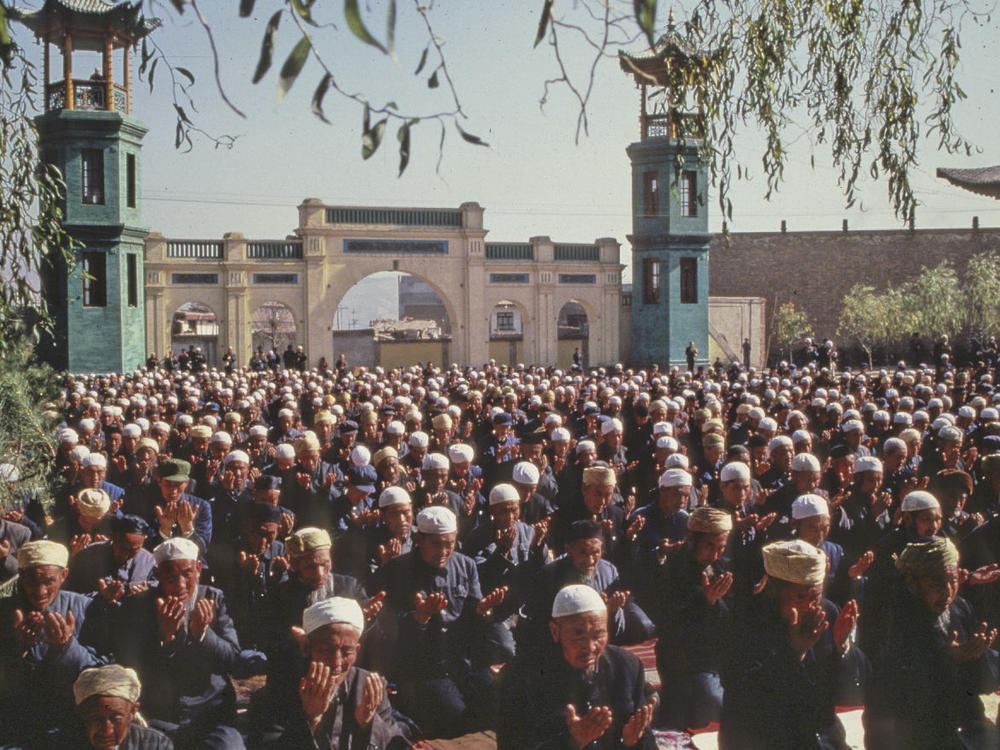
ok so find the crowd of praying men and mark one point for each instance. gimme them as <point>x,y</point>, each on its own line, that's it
<point>423,553</point>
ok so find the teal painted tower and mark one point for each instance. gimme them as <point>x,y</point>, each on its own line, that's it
<point>670,236</point>
<point>88,132</point>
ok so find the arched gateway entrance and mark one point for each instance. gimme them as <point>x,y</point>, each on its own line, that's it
<point>334,247</point>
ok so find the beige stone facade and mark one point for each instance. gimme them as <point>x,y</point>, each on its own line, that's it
<point>335,247</point>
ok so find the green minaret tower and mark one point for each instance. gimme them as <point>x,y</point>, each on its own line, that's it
<point>88,132</point>
<point>670,236</point>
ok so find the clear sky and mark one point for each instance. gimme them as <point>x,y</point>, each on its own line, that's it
<point>532,180</point>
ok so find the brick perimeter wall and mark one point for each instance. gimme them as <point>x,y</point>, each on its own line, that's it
<point>816,269</point>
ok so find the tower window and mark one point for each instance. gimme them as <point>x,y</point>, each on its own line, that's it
<point>689,280</point>
<point>132,279</point>
<point>95,280</point>
<point>92,176</point>
<point>130,180</point>
<point>651,275</point>
<point>689,193</point>
<point>651,186</point>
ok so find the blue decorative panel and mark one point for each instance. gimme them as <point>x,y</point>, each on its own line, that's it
<point>577,278</point>
<point>275,278</point>
<point>509,278</point>
<point>194,278</point>
<point>397,247</point>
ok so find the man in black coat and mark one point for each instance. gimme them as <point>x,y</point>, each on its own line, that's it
<point>580,691</point>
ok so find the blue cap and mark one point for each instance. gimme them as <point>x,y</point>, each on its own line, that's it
<point>362,477</point>
<point>503,418</point>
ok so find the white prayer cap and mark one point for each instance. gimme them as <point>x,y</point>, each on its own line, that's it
<point>419,439</point>
<point>805,462</point>
<point>434,461</point>
<point>360,456</point>
<point>666,442</point>
<point>525,472</point>
<point>677,461</point>
<point>795,561</point>
<point>504,493</point>
<point>967,411</point>
<point>67,435</point>
<point>853,425</point>
<point>177,548</point>
<point>675,478</point>
<point>867,463</point>
<point>131,430</point>
<point>663,428</point>
<point>778,441</point>
<point>893,445</point>
<point>221,437</point>
<point>560,434</point>
<point>734,471</point>
<point>79,453</point>
<point>611,425</point>
<point>42,552</point>
<point>767,424</point>
<point>185,420</point>
<point>950,433</point>
<point>93,503</point>
<point>285,450</point>
<point>395,427</point>
<point>807,506</point>
<point>756,413</point>
<point>585,445</point>
<point>337,610</point>
<point>436,519</point>
<point>112,680</point>
<point>285,413</point>
<point>920,500</point>
<point>801,436</point>
<point>236,456</point>
<point>989,414</point>
<point>394,496</point>
<point>258,430</point>
<point>576,599</point>
<point>901,417</point>
<point>460,453</point>
<point>94,459</point>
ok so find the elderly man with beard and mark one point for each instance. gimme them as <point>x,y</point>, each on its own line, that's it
<point>181,640</point>
<point>584,563</point>
<point>935,662</point>
<point>436,617</point>
<point>117,568</point>
<point>788,666</point>
<point>107,712</point>
<point>579,692</point>
<point>311,579</point>
<point>693,621</point>
<point>594,502</point>
<point>46,643</point>
<point>321,699</point>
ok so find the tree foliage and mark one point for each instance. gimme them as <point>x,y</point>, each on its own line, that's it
<point>791,325</point>
<point>866,79</point>
<point>936,302</point>
<point>31,235</point>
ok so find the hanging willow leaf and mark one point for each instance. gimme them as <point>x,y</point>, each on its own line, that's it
<point>645,15</point>
<point>469,137</point>
<point>182,114</point>
<point>352,14</point>
<point>423,61</point>
<point>390,29</point>
<point>152,72</point>
<point>317,102</point>
<point>543,23</point>
<point>186,73</point>
<point>304,11</point>
<point>371,139</point>
<point>432,82</point>
<point>267,47</point>
<point>293,66</point>
<point>404,144</point>
<point>246,7</point>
